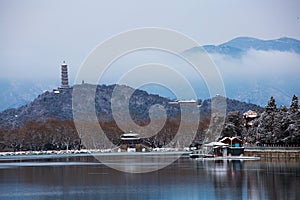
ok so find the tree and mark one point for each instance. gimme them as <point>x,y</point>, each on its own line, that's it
<point>233,125</point>
<point>294,105</point>
<point>271,106</point>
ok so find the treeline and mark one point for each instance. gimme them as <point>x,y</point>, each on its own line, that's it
<point>62,135</point>
<point>37,136</point>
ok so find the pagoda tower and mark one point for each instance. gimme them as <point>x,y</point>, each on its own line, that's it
<point>64,75</point>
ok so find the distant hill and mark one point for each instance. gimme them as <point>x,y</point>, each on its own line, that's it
<point>281,44</point>
<point>50,105</point>
<point>232,105</point>
<point>58,106</point>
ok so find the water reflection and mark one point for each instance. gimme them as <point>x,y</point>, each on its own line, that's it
<point>278,180</point>
<point>84,177</point>
<point>138,162</point>
<point>226,174</point>
<point>253,179</point>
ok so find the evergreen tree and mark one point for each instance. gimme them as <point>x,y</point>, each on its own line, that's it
<point>294,105</point>
<point>276,126</point>
<point>271,106</point>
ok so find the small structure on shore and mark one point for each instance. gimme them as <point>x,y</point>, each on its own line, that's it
<point>130,142</point>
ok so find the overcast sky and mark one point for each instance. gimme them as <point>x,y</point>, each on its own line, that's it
<point>36,36</point>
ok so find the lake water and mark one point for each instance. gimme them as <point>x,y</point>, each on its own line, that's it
<point>83,177</point>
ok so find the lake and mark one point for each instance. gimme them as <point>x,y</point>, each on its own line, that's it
<point>84,177</point>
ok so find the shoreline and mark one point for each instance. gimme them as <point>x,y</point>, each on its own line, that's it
<point>88,151</point>
<point>289,153</point>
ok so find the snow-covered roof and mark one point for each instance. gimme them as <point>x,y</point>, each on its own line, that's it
<point>130,136</point>
<point>215,144</point>
<point>187,101</point>
<point>228,140</point>
<point>250,114</point>
<point>183,101</point>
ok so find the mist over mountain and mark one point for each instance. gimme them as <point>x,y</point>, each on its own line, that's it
<point>252,71</point>
<point>15,93</point>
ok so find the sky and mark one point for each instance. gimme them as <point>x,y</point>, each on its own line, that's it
<point>36,36</point>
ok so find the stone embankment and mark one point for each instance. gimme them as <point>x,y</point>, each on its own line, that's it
<point>273,152</point>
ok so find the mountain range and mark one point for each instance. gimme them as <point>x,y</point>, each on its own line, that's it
<point>239,46</point>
